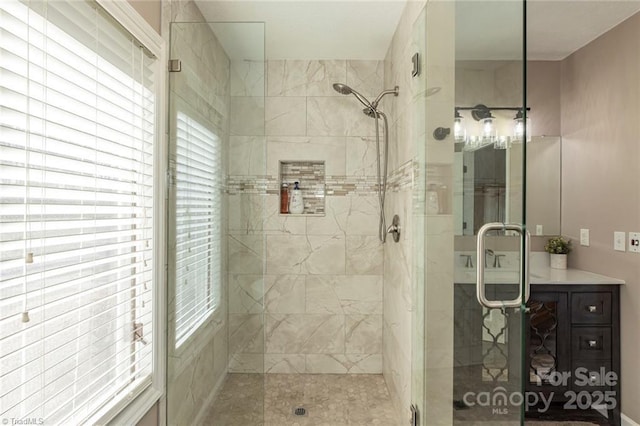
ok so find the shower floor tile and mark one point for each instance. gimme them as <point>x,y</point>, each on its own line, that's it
<point>329,399</point>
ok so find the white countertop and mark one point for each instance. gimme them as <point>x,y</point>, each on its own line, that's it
<point>540,273</point>
<point>570,276</point>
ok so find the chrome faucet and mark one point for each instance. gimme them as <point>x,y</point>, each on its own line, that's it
<point>496,258</point>
<point>469,260</point>
<point>489,252</point>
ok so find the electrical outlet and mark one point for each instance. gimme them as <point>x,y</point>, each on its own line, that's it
<point>539,230</point>
<point>619,241</point>
<point>634,242</point>
<point>584,237</point>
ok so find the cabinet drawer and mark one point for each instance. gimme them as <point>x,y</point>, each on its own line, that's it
<point>592,376</point>
<point>591,343</point>
<point>591,308</point>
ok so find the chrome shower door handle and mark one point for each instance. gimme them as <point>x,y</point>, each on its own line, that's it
<point>524,266</point>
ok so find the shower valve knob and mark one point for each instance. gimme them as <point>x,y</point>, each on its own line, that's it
<point>441,133</point>
<point>394,228</point>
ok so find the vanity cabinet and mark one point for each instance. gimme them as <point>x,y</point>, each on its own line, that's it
<point>571,349</point>
<point>572,346</point>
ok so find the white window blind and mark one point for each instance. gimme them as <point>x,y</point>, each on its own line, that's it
<point>198,224</point>
<point>77,124</point>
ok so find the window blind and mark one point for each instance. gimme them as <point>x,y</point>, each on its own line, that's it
<point>77,125</point>
<point>198,224</point>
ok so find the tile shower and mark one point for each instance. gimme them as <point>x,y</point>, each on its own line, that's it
<point>322,287</point>
<point>305,294</point>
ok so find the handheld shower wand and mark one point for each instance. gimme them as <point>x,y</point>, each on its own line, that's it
<point>371,110</point>
<point>346,90</point>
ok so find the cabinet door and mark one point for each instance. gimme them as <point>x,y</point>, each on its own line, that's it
<point>547,347</point>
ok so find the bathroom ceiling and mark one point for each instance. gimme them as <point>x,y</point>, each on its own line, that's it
<point>555,29</point>
<point>334,29</point>
<point>306,29</point>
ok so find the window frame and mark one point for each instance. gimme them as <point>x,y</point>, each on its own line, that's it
<point>135,406</point>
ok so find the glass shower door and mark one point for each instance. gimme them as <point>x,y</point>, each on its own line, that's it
<point>215,257</point>
<point>476,244</point>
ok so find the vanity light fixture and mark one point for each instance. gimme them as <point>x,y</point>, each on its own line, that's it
<point>521,126</point>
<point>488,129</point>
<point>459,132</point>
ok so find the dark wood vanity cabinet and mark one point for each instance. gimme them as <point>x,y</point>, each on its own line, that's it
<point>571,349</point>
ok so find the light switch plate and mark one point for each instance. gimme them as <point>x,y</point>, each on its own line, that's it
<point>539,230</point>
<point>619,241</point>
<point>584,237</point>
<point>634,242</point>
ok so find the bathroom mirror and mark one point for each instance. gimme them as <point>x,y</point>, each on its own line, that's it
<point>487,174</point>
<point>490,190</point>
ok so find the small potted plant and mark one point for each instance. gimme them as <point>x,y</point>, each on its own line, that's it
<point>558,248</point>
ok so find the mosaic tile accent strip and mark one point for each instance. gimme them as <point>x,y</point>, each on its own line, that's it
<point>403,177</point>
<point>310,174</point>
<point>351,185</point>
<point>335,185</point>
<point>246,184</point>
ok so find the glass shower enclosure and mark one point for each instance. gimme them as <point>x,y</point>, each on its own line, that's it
<point>475,246</point>
<point>464,347</point>
<point>216,134</point>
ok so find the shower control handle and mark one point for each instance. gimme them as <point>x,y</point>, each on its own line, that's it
<point>394,228</point>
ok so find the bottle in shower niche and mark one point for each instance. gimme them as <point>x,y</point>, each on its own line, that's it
<point>433,200</point>
<point>296,204</point>
<point>284,198</point>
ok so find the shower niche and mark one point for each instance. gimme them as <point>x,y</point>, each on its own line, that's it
<point>310,176</point>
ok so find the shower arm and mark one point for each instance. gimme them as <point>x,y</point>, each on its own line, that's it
<point>393,91</point>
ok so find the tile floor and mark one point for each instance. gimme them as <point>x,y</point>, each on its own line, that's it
<point>330,400</point>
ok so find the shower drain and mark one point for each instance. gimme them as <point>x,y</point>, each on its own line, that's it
<point>300,411</point>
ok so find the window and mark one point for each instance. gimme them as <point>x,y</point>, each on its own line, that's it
<point>198,229</point>
<point>77,132</point>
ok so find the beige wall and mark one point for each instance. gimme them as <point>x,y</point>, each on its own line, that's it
<point>543,96</point>
<point>151,418</point>
<point>601,158</point>
<point>150,11</point>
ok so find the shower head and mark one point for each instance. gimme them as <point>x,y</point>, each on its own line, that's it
<point>373,113</point>
<point>369,112</point>
<point>343,89</point>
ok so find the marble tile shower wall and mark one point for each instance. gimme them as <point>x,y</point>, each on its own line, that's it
<point>321,291</point>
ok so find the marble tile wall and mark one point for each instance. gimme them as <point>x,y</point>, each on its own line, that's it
<point>202,90</point>
<point>321,291</point>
